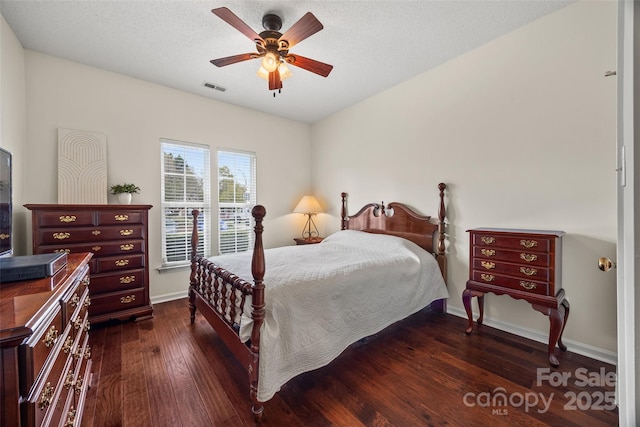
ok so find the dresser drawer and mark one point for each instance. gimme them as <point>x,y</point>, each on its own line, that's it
<point>118,281</point>
<point>524,285</point>
<point>115,301</point>
<point>529,243</point>
<point>120,217</point>
<point>75,297</point>
<point>65,219</point>
<point>66,236</point>
<point>522,271</point>
<point>45,404</point>
<point>105,248</point>
<point>115,263</point>
<point>520,257</point>
<point>40,347</point>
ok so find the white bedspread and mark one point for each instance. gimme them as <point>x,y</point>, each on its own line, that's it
<point>321,298</point>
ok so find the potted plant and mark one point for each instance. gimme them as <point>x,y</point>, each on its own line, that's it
<point>124,191</point>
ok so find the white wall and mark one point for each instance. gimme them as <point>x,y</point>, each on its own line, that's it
<point>522,130</point>
<point>13,129</point>
<point>134,115</point>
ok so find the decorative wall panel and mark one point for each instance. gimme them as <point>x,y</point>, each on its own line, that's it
<point>82,167</point>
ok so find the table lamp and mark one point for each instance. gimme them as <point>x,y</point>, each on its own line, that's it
<point>309,206</point>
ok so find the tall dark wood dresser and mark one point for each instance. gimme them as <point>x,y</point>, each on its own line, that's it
<point>45,357</point>
<point>524,264</point>
<point>117,235</point>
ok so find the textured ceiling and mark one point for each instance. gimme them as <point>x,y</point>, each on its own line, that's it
<point>373,45</point>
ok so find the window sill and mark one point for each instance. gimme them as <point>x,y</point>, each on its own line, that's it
<point>175,267</point>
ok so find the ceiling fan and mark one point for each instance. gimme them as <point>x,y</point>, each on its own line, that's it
<point>273,46</point>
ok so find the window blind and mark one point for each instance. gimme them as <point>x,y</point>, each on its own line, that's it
<point>236,198</point>
<point>185,187</point>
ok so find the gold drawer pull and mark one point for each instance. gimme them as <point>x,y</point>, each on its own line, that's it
<point>68,380</point>
<point>61,236</point>
<point>96,232</point>
<point>488,264</point>
<point>87,302</point>
<point>71,418</point>
<point>127,247</point>
<point>488,252</point>
<point>68,344</point>
<point>66,251</point>
<point>528,243</point>
<point>4,236</point>
<point>86,280</point>
<point>50,337</point>
<point>488,240</point>
<point>87,353</point>
<point>127,279</point>
<point>528,271</point>
<point>87,326</point>
<point>122,262</point>
<point>68,218</point>
<point>528,285</point>
<point>78,385</point>
<point>46,396</point>
<point>126,232</point>
<point>529,257</point>
<point>128,299</point>
<point>77,323</point>
<point>74,300</point>
<point>487,277</point>
<point>121,217</point>
<point>96,248</point>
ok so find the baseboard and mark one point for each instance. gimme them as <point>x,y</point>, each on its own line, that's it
<point>169,297</point>
<point>574,346</point>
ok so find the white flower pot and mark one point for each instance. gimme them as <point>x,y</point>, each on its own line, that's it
<point>124,198</point>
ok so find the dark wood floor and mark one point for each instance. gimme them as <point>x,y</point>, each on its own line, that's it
<point>423,371</point>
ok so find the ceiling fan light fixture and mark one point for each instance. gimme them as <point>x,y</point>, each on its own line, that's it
<point>270,62</point>
<point>262,73</point>
<point>285,73</point>
<point>273,47</point>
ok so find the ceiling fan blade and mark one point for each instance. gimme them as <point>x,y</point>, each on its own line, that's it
<point>237,23</point>
<point>274,80</point>
<point>305,27</point>
<point>221,62</point>
<point>312,65</point>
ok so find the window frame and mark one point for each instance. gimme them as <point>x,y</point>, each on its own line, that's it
<point>185,207</point>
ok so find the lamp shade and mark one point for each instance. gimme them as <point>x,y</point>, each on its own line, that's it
<point>308,204</point>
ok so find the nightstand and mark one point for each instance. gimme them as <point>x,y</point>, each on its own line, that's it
<point>524,264</point>
<point>311,241</point>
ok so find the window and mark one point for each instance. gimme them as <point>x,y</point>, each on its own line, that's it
<point>185,186</point>
<point>236,198</point>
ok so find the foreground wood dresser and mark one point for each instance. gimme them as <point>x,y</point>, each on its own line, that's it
<point>524,264</point>
<point>117,235</point>
<point>45,359</point>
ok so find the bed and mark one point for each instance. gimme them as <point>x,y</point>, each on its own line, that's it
<point>285,311</point>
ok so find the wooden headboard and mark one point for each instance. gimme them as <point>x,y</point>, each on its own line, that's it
<point>399,220</point>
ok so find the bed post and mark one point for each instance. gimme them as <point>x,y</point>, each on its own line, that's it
<point>441,257</point>
<point>257,312</point>
<point>192,277</point>
<point>343,212</point>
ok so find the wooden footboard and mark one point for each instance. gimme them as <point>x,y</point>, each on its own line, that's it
<point>220,296</point>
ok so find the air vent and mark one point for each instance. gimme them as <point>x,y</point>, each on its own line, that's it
<point>214,86</point>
